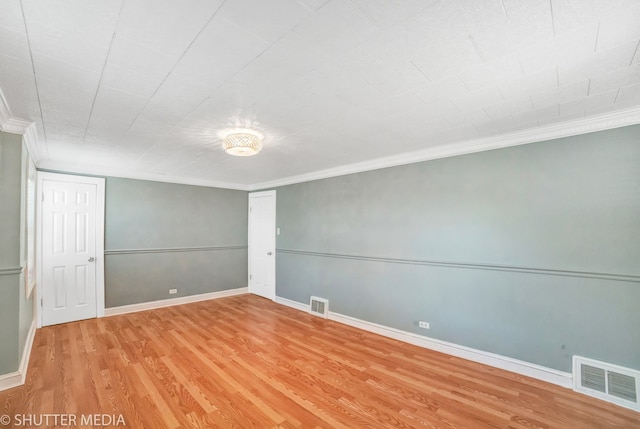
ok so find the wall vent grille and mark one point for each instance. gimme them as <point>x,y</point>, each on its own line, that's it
<point>319,306</point>
<point>611,383</point>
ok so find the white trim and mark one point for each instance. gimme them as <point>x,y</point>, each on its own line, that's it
<point>8,122</point>
<point>26,353</point>
<point>152,305</point>
<point>550,375</point>
<point>37,292</point>
<point>17,378</point>
<point>5,113</point>
<point>15,126</point>
<point>99,182</point>
<point>293,304</point>
<point>591,124</point>
<point>577,381</point>
<point>27,129</point>
<point>76,168</point>
<point>34,145</point>
<point>271,193</point>
<point>11,380</point>
<point>539,372</point>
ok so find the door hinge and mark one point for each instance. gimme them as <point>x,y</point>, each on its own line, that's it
<point>41,303</point>
<point>250,276</point>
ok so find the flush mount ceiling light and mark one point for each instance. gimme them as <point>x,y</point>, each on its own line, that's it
<point>243,143</point>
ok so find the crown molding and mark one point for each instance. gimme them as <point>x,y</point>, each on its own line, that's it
<point>9,123</point>
<point>591,124</point>
<point>576,127</point>
<point>27,129</point>
<point>89,170</point>
<point>34,144</point>
<point>38,151</point>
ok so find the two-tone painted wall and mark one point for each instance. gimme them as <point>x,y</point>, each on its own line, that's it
<point>16,310</point>
<point>162,236</point>
<point>530,252</point>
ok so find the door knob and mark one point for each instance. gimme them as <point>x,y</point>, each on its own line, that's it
<point>91,259</point>
<point>269,253</point>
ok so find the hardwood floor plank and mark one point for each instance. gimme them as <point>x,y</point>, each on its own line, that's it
<point>246,362</point>
<point>181,381</point>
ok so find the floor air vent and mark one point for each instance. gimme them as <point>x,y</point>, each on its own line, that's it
<point>319,306</point>
<point>606,381</point>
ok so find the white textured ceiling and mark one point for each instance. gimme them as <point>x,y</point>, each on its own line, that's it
<point>142,87</point>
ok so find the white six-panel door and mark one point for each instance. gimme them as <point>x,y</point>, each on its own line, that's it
<point>262,244</point>
<point>71,248</point>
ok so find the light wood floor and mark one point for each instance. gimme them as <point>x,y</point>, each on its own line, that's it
<point>248,362</point>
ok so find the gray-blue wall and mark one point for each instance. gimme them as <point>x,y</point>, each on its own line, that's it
<point>16,310</point>
<point>531,252</point>
<point>161,236</point>
<point>25,304</point>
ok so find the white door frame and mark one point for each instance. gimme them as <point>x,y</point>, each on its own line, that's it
<point>100,187</point>
<point>273,278</point>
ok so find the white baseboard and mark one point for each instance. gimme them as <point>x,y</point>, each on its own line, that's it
<point>550,375</point>
<point>293,304</point>
<point>11,380</point>
<point>143,306</point>
<point>17,378</point>
<point>26,353</point>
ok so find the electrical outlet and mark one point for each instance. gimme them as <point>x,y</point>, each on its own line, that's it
<point>173,291</point>
<point>424,325</point>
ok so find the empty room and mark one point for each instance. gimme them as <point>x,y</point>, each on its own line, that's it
<point>320,214</point>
